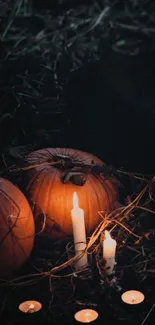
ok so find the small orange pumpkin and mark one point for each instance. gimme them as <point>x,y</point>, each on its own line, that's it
<point>16,228</point>
<point>54,198</point>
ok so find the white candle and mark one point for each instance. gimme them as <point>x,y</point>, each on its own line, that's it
<point>86,315</point>
<point>79,233</point>
<point>109,251</point>
<point>132,297</point>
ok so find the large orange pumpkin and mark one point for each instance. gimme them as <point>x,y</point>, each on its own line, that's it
<point>16,228</point>
<point>54,198</point>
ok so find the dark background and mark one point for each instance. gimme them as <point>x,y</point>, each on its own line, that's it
<point>109,111</point>
<point>113,103</point>
<point>104,106</point>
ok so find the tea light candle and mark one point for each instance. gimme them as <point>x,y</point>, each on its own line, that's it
<point>132,297</point>
<point>86,315</point>
<point>109,251</point>
<point>79,233</point>
<point>30,306</point>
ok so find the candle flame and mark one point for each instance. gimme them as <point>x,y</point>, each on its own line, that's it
<point>133,298</point>
<point>107,235</point>
<point>75,201</point>
<point>31,306</point>
<point>87,315</point>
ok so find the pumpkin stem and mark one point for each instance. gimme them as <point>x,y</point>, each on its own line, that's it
<point>75,177</point>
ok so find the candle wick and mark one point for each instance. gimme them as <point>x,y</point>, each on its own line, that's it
<point>31,308</point>
<point>87,319</point>
<point>132,298</point>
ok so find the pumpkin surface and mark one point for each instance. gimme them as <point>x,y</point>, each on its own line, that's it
<point>16,228</point>
<point>54,198</point>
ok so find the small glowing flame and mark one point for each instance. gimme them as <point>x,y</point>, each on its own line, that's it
<point>75,201</point>
<point>132,298</point>
<point>107,235</point>
<point>31,306</point>
<point>87,314</point>
<point>87,317</point>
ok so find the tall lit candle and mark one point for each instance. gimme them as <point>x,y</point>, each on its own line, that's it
<point>79,232</point>
<point>109,251</point>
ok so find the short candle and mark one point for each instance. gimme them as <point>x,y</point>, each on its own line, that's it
<point>132,297</point>
<point>30,306</point>
<point>86,315</point>
<point>109,251</point>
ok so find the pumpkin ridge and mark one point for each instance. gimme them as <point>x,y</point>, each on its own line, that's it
<point>40,183</point>
<point>89,211</point>
<point>5,194</point>
<point>50,200</point>
<point>35,174</point>
<point>108,189</point>
<point>103,182</point>
<point>108,194</point>
<point>95,192</point>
